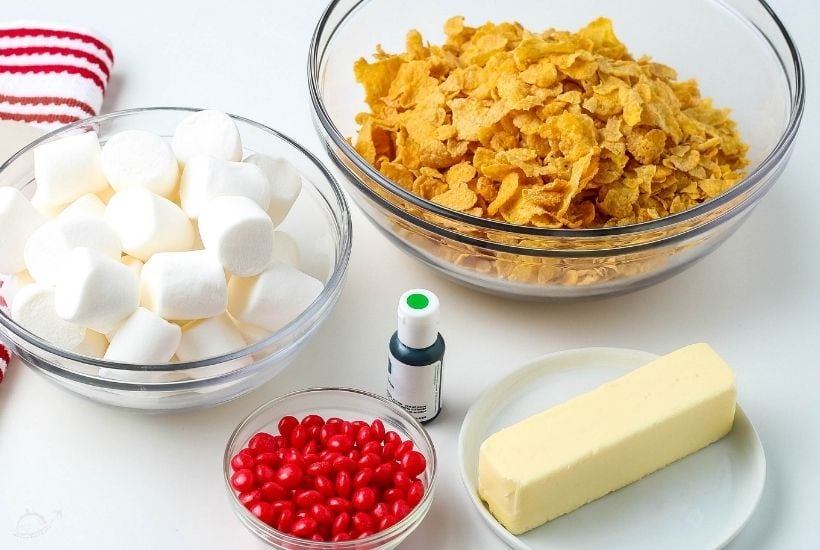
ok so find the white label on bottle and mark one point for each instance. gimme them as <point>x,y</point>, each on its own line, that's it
<point>417,389</point>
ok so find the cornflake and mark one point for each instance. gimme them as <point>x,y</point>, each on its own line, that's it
<point>553,129</point>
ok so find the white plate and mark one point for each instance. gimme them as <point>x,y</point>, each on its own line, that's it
<point>702,501</point>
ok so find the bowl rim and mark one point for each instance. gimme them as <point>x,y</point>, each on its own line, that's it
<point>407,522</point>
<point>316,55</point>
<point>332,286</point>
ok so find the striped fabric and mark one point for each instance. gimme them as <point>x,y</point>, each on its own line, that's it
<point>51,75</point>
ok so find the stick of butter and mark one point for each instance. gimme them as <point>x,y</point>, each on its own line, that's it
<point>560,459</point>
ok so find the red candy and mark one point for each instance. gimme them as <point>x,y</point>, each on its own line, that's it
<point>344,464</point>
<point>298,437</point>
<point>304,527</point>
<point>263,511</point>
<point>393,494</point>
<point>329,480</point>
<point>262,442</point>
<point>321,514</point>
<point>378,429</point>
<point>340,442</point>
<point>287,424</point>
<point>286,519</point>
<point>242,480</point>
<point>388,521</point>
<point>364,436</point>
<point>250,498</point>
<point>364,499</point>
<point>243,459</point>
<point>384,473</point>
<point>370,461</point>
<point>270,458</point>
<point>306,499</point>
<point>372,448</point>
<point>264,473</point>
<point>400,509</point>
<point>324,486</point>
<point>415,493</point>
<point>403,449</point>
<point>338,504</point>
<point>381,511</point>
<point>362,521</point>
<point>341,523</point>
<point>289,476</point>
<point>318,468</point>
<point>363,478</point>
<point>413,463</point>
<point>389,450</point>
<point>313,420</point>
<point>272,491</point>
<point>402,480</point>
<point>344,484</point>
<point>283,505</point>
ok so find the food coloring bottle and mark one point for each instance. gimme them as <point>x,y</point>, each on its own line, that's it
<point>416,355</point>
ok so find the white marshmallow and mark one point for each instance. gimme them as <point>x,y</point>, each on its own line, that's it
<point>47,212</point>
<point>208,338</point>
<point>285,184</point>
<point>273,298</point>
<point>33,309</point>
<point>207,133</point>
<point>132,263</point>
<point>211,338</point>
<point>18,220</point>
<point>238,233</point>
<point>285,249</point>
<point>251,333</point>
<point>144,338</point>
<point>68,168</point>
<point>308,224</point>
<point>135,158</point>
<point>87,206</point>
<point>184,285</point>
<point>51,243</point>
<point>206,178</point>
<point>147,223</point>
<point>95,291</point>
<point>93,345</point>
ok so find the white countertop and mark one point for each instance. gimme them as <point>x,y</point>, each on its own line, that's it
<point>107,478</point>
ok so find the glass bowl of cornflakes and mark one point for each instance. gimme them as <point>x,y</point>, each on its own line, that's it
<point>548,149</point>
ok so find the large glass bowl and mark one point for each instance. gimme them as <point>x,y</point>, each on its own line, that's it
<point>211,381</point>
<point>347,404</point>
<point>739,52</point>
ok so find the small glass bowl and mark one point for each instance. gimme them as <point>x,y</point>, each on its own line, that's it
<point>187,385</point>
<point>739,52</point>
<point>348,404</point>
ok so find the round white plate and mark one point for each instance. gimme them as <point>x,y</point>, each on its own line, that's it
<point>701,501</point>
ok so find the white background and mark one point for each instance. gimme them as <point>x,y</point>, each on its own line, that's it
<point>112,479</point>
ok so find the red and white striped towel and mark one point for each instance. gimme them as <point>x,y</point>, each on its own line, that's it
<point>51,75</point>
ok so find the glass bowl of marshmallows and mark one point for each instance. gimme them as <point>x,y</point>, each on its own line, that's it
<point>167,258</point>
